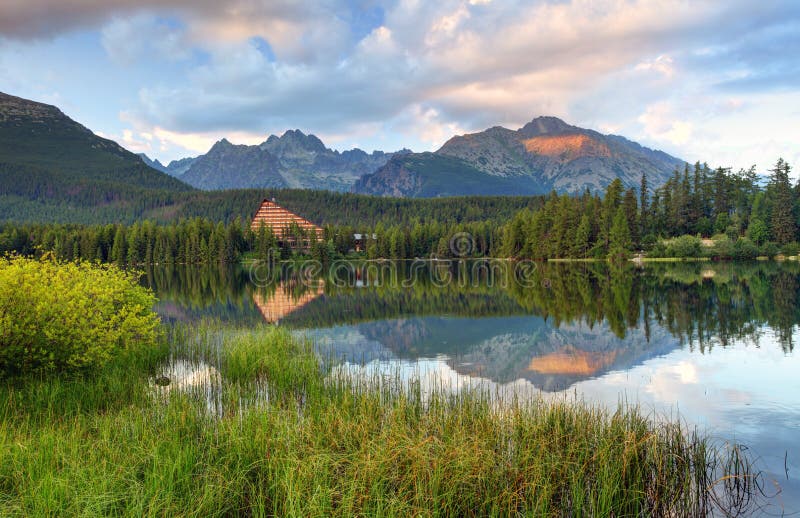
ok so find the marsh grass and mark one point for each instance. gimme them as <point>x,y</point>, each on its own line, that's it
<point>285,438</point>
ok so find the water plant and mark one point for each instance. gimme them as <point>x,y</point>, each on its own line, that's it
<point>323,445</point>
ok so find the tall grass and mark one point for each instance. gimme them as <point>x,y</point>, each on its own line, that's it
<point>283,438</point>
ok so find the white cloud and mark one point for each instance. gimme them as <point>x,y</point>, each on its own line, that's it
<point>424,69</point>
<point>661,123</point>
<point>663,65</point>
<point>127,40</point>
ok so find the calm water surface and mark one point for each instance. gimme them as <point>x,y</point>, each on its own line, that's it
<point>712,343</point>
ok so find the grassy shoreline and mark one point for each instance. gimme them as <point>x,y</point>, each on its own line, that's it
<point>262,428</point>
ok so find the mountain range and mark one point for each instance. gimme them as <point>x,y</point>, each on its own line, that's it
<point>293,160</point>
<point>52,165</point>
<point>546,154</point>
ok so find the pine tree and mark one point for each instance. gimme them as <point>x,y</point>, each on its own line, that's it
<point>721,194</point>
<point>610,204</point>
<point>119,249</point>
<point>620,236</point>
<point>643,206</point>
<point>783,224</point>
<point>582,235</point>
<point>631,215</point>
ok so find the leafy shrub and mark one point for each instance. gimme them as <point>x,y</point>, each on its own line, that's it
<point>792,248</point>
<point>757,231</point>
<point>723,247</point>
<point>684,246</point>
<point>769,249</point>
<point>649,241</point>
<point>704,226</point>
<point>743,248</point>
<point>68,316</point>
<point>659,249</point>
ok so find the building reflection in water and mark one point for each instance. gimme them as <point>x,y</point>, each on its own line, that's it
<point>285,300</point>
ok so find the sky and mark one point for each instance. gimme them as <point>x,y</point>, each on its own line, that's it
<point>715,81</point>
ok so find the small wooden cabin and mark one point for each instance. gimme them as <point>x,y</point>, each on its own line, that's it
<point>360,241</point>
<point>281,221</point>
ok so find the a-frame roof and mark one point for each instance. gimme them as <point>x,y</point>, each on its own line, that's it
<point>279,220</point>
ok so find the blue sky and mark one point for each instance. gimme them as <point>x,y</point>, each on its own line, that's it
<point>717,81</point>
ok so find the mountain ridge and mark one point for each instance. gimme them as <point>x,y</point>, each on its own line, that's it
<point>39,136</point>
<point>294,159</point>
<point>543,155</point>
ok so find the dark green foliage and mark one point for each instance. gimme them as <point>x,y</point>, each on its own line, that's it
<point>698,202</point>
<point>783,205</point>
<point>52,168</point>
<point>620,236</point>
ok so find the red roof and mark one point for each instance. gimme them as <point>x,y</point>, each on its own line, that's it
<point>279,220</point>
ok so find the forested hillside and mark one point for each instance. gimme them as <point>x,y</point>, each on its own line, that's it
<point>54,169</point>
<point>743,218</point>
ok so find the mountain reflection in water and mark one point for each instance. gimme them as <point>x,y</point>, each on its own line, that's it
<point>712,341</point>
<point>568,323</point>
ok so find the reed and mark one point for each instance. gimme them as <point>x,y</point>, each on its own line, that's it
<point>283,436</point>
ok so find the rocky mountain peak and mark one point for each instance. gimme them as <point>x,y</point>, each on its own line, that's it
<point>12,107</point>
<point>547,125</point>
<point>293,141</point>
<point>546,154</point>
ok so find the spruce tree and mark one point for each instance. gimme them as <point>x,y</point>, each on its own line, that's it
<point>783,225</point>
<point>582,237</point>
<point>620,236</point>
<point>631,214</point>
<point>643,227</point>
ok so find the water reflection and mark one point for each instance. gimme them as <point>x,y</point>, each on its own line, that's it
<point>712,341</point>
<point>282,301</point>
<point>572,321</point>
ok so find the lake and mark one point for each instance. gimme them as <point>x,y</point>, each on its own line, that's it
<point>709,343</point>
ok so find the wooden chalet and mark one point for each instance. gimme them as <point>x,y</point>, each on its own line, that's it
<point>282,222</point>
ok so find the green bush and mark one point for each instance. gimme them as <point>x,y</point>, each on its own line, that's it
<point>659,249</point>
<point>723,247</point>
<point>792,248</point>
<point>684,246</point>
<point>648,241</point>
<point>743,248</point>
<point>769,249</point>
<point>704,226</point>
<point>67,316</point>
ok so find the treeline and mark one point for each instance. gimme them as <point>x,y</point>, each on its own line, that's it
<point>744,218</point>
<point>194,241</point>
<point>202,241</point>
<point>30,195</point>
<point>355,210</point>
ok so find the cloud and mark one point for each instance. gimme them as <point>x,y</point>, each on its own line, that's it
<point>474,65</point>
<point>127,40</point>
<point>299,30</point>
<point>661,123</point>
<point>663,65</point>
<point>650,70</point>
